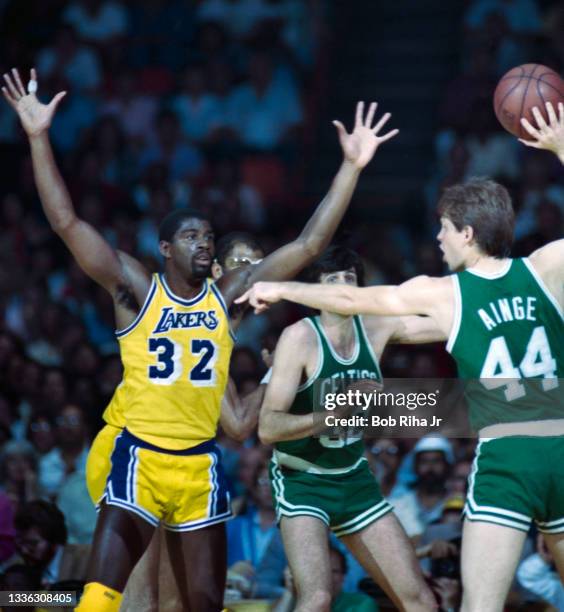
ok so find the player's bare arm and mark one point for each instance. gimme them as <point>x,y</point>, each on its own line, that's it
<point>289,370</point>
<point>548,262</point>
<point>239,416</point>
<point>382,330</point>
<point>422,295</point>
<point>125,278</point>
<point>358,149</point>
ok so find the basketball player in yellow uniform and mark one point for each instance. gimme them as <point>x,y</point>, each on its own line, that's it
<point>150,585</point>
<point>175,339</point>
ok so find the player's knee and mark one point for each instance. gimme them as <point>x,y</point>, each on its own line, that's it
<point>318,600</point>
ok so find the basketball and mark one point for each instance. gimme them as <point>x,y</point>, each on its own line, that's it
<point>522,88</point>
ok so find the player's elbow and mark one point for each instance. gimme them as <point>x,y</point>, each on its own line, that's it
<point>265,433</point>
<point>312,246</point>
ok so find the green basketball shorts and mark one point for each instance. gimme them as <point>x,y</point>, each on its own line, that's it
<point>346,503</point>
<point>518,480</point>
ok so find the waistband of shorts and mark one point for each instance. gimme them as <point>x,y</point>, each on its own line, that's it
<point>209,446</point>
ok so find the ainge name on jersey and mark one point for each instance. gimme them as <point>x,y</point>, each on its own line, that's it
<point>185,320</point>
<point>508,309</point>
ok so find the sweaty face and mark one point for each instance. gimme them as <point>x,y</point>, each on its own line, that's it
<point>451,243</point>
<point>342,277</point>
<point>192,248</point>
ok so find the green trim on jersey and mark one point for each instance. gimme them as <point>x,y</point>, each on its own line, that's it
<point>332,374</point>
<point>508,327</point>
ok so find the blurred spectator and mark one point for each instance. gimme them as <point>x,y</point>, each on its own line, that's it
<point>41,433</point>
<point>18,473</point>
<point>384,456</point>
<point>537,573</point>
<point>134,110</point>
<point>457,482</point>
<point>7,530</point>
<point>229,201</point>
<point>67,58</point>
<point>97,21</point>
<point>41,541</point>
<point>80,514</point>
<point>432,458</point>
<point>70,453</point>
<point>251,553</point>
<point>196,108</point>
<point>181,159</point>
<point>265,112</point>
<point>19,577</point>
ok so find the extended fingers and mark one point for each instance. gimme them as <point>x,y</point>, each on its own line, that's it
<point>381,123</point>
<point>370,115</point>
<point>539,118</point>
<point>11,87</point>
<point>18,82</point>
<point>532,130</point>
<point>359,115</point>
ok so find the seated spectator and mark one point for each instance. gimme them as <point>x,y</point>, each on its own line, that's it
<point>67,58</point>
<point>432,458</point>
<point>265,112</point>
<point>19,577</point>
<point>70,453</point>
<point>181,159</point>
<point>537,574</point>
<point>134,110</point>
<point>18,473</point>
<point>384,456</point>
<point>41,541</point>
<point>341,601</point>
<point>41,433</point>
<point>7,529</point>
<point>75,503</point>
<point>196,108</point>
<point>255,552</point>
<point>97,21</point>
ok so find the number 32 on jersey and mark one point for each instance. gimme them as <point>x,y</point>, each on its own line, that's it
<point>168,368</point>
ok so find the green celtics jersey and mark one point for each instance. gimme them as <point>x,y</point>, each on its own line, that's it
<point>329,455</point>
<point>508,328</point>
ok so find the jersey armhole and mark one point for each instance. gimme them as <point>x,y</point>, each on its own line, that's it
<point>120,333</point>
<point>542,286</point>
<point>319,365</point>
<point>457,318</point>
<point>364,335</point>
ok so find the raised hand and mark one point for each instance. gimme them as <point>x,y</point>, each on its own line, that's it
<point>34,116</point>
<point>547,136</point>
<point>360,145</point>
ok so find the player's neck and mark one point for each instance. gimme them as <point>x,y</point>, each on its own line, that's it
<point>180,286</point>
<point>485,263</point>
<point>339,329</point>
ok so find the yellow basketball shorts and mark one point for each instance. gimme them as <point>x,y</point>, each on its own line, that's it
<point>184,490</point>
<point>99,462</point>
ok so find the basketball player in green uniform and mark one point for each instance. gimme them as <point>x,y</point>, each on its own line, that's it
<point>503,319</point>
<point>322,483</point>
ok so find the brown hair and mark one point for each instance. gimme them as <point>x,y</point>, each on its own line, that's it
<point>486,207</point>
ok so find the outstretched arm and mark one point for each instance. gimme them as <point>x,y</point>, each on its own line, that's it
<point>416,330</point>
<point>418,296</point>
<point>358,149</point>
<point>239,416</point>
<point>119,275</point>
<point>547,136</point>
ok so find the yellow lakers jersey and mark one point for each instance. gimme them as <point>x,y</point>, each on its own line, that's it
<point>176,358</point>
<point>113,414</point>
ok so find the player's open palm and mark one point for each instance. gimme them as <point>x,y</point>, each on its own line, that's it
<point>549,136</point>
<point>360,145</point>
<point>34,116</point>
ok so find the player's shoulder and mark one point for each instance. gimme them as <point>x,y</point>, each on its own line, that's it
<point>301,332</point>
<point>549,257</point>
